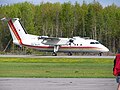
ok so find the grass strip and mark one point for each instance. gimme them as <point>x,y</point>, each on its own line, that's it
<point>56,67</point>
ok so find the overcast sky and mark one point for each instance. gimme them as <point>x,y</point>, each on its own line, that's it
<point>102,2</point>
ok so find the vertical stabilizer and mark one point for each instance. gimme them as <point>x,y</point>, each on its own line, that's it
<point>17,31</point>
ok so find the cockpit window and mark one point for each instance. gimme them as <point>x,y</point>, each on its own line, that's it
<point>94,42</point>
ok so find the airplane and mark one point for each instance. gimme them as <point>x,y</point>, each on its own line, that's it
<point>52,44</point>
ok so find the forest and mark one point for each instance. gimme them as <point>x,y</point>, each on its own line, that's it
<point>64,20</point>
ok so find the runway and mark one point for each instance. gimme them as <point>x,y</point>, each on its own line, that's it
<point>57,84</point>
<point>36,56</point>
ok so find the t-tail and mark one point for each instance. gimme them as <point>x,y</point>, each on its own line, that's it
<point>17,31</point>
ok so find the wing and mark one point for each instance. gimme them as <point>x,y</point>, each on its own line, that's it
<point>55,41</point>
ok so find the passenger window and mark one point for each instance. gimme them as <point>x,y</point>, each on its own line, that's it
<point>92,42</point>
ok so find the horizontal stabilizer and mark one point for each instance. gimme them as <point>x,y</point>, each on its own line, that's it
<point>4,19</point>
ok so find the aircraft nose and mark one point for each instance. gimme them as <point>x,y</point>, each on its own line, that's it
<point>106,49</point>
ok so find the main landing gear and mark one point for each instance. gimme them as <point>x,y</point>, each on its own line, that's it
<point>54,54</point>
<point>100,54</point>
<point>56,48</point>
<point>69,54</point>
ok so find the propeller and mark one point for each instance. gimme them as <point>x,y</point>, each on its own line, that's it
<point>71,41</point>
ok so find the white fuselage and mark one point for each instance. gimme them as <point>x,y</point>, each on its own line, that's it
<point>79,45</point>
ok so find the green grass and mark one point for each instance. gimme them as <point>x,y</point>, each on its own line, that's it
<point>56,67</point>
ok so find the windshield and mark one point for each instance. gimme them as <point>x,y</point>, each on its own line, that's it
<point>94,43</point>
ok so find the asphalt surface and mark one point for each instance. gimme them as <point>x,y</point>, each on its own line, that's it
<point>58,84</point>
<point>35,56</point>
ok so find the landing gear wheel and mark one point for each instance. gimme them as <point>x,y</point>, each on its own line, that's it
<point>54,54</point>
<point>100,54</point>
<point>69,54</point>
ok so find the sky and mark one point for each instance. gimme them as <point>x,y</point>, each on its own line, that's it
<point>102,2</point>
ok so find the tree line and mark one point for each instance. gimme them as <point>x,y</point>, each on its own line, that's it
<point>65,20</point>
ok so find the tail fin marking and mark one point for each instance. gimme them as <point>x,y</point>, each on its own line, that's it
<point>14,32</point>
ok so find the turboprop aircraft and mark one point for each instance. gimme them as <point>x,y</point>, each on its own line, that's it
<point>52,44</point>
